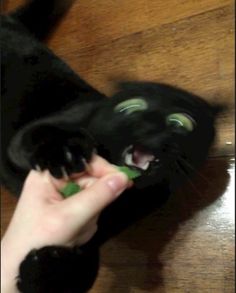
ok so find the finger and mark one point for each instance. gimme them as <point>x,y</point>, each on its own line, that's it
<point>88,203</point>
<point>98,167</point>
<point>86,181</point>
<point>37,182</point>
<point>41,187</point>
<point>101,167</point>
<point>58,183</point>
<point>83,183</point>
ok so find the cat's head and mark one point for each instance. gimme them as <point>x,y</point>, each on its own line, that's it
<point>164,132</point>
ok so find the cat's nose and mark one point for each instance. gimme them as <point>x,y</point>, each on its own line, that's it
<point>154,140</point>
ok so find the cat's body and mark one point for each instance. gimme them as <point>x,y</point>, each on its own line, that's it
<point>157,128</point>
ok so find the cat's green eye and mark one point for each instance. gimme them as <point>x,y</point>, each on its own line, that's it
<point>179,120</point>
<point>131,105</point>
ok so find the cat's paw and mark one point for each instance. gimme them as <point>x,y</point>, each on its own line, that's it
<point>59,151</point>
<point>58,269</point>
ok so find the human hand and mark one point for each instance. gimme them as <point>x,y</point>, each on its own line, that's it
<point>42,217</point>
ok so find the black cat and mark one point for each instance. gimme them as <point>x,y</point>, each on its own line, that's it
<point>51,119</point>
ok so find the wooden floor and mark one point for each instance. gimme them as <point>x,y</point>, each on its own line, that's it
<point>188,245</point>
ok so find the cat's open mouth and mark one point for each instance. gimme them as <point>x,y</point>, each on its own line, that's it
<point>138,157</point>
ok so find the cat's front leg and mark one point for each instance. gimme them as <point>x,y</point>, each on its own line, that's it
<point>58,269</point>
<point>62,150</point>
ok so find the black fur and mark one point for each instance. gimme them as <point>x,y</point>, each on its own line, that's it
<point>63,266</point>
<point>48,111</point>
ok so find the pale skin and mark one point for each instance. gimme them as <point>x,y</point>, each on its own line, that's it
<point>42,217</point>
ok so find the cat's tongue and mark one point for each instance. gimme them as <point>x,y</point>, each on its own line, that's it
<point>141,158</point>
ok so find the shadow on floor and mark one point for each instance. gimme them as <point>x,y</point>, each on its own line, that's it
<point>150,236</point>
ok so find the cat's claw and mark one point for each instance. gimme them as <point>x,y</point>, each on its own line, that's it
<point>59,152</point>
<point>38,168</point>
<point>64,173</point>
<point>86,165</point>
<point>68,155</point>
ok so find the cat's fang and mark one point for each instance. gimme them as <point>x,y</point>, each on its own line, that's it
<point>128,159</point>
<point>146,166</point>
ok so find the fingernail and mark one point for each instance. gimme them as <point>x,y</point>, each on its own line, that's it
<point>117,183</point>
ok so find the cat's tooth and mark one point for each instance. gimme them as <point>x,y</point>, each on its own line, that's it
<point>127,150</point>
<point>128,160</point>
<point>157,160</point>
<point>145,167</point>
<point>130,147</point>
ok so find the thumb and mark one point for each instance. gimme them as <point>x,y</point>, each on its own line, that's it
<point>91,201</point>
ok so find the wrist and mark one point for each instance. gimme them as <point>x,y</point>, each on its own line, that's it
<point>8,278</point>
<point>9,271</point>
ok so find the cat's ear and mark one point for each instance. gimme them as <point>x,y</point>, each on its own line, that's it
<point>218,109</point>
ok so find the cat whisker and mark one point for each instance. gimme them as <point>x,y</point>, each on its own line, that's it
<point>187,164</point>
<point>188,179</point>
